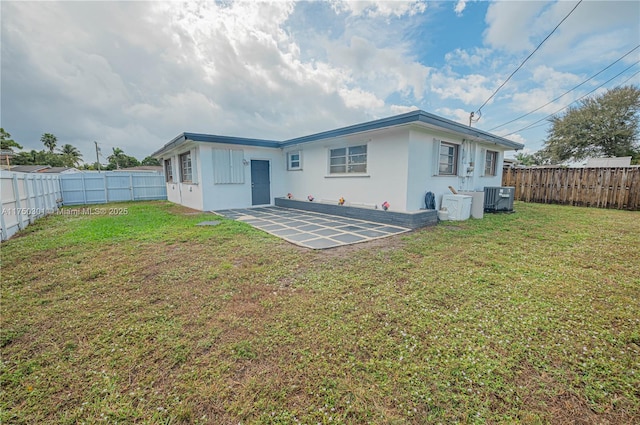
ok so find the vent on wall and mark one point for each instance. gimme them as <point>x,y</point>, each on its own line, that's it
<point>498,199</point>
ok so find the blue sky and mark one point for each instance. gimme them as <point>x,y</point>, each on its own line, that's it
<point>135,74</point>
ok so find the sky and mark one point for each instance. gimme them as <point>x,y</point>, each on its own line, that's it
<point>136,74</point>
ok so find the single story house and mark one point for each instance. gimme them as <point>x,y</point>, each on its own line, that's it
<point>395,160</point>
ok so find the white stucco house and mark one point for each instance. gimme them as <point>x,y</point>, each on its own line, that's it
<point>396,159</point>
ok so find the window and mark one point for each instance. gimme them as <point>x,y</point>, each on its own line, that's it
<point>352,159</point>
<point>228,166</point>
<point>491,159</point>
<point>294,161</point>
<point>186,175</point>
<point>168,171</point>
<point>448,161</point>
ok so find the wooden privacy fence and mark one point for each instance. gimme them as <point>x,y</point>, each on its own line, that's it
<point>590,187</point>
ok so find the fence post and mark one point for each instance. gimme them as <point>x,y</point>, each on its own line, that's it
<point>49,188</point>
<point>27,182</point>
<point>106,188</point>
<point>131,187</point>
<point>3,231</point>
<point>43,191</point>
<point>16,196</point>
<point>84,190</point>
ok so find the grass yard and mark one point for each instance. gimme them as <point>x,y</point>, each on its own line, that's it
<point>529,318</point>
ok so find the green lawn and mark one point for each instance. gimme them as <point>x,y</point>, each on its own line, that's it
<point>532,317</point>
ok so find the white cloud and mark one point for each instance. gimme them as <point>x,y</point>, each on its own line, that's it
<point>472,89</point>
<point>519,26</point>
<point>462,57</point>
<point>358,98</point>
<point>460,6</point>
<point>548,85</point>
<point>458,115</point>
<point>381,70</point>
<point>510,24</point>
<point>135,74</point>
<point>401,109</point>
<point>377,8</point>
<point>514,137</point>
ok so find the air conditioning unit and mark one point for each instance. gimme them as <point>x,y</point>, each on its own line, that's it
<point>499,199</point>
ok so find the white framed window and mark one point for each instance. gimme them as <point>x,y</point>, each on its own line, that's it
<point>448,159</point>
<point>168,171</point>
<point>186,173</point>
<point>294,160</point>
<point>490,163</point>
<point>348,160</point>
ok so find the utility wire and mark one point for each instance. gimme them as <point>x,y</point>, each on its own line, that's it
<point>569,91</point>
<point>578,99</point>
<point>632,75</point>
<point>527,58</point>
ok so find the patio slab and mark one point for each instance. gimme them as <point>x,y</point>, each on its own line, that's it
<point>312,229</point>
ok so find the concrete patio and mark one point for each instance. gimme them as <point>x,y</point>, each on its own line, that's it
<point>311,229</point>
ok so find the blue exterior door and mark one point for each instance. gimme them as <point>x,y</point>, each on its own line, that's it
<point>260,183</point>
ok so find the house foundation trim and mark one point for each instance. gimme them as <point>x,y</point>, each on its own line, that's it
<point>411,220</point>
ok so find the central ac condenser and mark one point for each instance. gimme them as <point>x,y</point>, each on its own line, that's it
<point>499,199</point>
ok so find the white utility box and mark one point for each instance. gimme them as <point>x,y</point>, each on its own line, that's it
<point>477,202</point>
<point>458,206</point>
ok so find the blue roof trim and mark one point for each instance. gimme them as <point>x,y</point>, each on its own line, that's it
<point>428,118</point>
<point>211,138</point>
<point>357,128</point>
<point>403,119</point>
<point>409,117</point>
<point>197,137</point>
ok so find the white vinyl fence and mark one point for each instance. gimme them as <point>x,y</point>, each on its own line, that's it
<point>111,186</point>
<point>26,197</point>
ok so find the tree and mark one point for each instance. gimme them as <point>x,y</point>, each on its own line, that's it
<point>6,142</point>
<point>50,141</point>
<point>25,158</point>
<point>150,161</point>
<point>526,159</point>
<point>119,160</point>
<point>71,155</point>
<point>529,159</point>
<point>39,158</point>
<point>116,158</point>
<point>601,126</point>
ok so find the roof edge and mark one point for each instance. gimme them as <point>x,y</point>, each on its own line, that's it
<point>212,138</point>
<point>406,118</point>
<point>417,116</point>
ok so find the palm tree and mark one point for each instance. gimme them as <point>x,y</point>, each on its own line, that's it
<point>71,155</point>
<point>50,141</point>
<point>118,155</point>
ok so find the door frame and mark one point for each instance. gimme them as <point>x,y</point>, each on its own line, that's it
<point>268,161</point>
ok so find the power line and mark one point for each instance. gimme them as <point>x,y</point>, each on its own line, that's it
<point>569,91</point>
<point>578,99</point>
<point>523,62</point>
<point>632,75</point>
